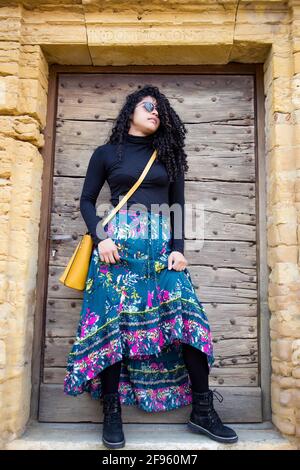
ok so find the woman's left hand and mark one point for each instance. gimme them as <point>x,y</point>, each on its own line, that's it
<point>178,259</point>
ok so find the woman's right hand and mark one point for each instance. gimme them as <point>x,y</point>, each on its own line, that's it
<point>108,251</point>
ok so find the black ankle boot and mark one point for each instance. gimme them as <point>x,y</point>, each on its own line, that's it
<point>113,436</point>
<point>205,420</point>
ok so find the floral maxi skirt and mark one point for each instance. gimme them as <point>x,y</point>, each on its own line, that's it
<point>138,312</point>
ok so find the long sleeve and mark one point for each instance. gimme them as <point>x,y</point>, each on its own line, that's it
<point>94,180</point>
<point>176,195</point>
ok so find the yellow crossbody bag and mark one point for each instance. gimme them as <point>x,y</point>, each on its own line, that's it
<point>75,274</point>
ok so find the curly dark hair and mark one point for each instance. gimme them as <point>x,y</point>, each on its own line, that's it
<point>168,139</point>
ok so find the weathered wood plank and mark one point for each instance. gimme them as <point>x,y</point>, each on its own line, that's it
<point>63,316</point>
<point>228,320</point>
<point>225,376</point>
<point>238,352</point>
<point>225,157</point>
<point>237,327</point>
<point>211,285</point>
<point>223,253</point>
<point>219,196</point>
<point>217,227</point>
<point>228,137</point>
<point>85,136</point>
<point>240,404</point>
<point>196,100</point>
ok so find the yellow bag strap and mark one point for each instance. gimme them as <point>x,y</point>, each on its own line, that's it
<point>134,187</point>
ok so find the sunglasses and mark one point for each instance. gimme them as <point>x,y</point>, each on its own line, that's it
<point>148,105</point>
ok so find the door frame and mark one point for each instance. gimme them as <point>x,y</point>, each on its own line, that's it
<point>48,153</point>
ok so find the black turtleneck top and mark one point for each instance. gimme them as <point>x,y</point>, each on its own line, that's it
<point>121,175</point>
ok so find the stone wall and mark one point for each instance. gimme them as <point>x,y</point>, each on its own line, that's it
<point>37,33</point>
<point>23,100</point>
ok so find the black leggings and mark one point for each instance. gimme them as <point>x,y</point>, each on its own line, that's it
<point>195,361</point>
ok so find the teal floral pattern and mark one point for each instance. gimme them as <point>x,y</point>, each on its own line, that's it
<point>138,312</point>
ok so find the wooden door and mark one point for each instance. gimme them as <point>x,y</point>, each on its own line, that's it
<point>219,112</point>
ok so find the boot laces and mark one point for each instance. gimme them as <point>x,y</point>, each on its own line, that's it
<point>215,418</point>
<point>216,393</point>
<point>112,409</point>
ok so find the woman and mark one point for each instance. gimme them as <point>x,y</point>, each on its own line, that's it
<point>143,337</point>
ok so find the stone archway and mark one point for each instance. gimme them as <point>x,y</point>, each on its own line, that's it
<point>75,34</point>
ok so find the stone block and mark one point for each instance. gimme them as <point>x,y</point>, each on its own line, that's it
<point>54,26</point>
<point>279,134</point>
<point>296,352</point>
<point>296,62</point>
<point>283,411</point>
<point>296,398</point>
<point>296,372</point>
<point>9,94</point>
<point>11,22</point>
<point>33,99</point>
<point>282,349</point>
<point>23,96</point>
<point>9,58</point>
<point>295,85</point>
<point>282,159</point>
<point>283,382</point>
<point>23,128</point>
<point>285,273</point>
<point>281,187</point>
<point>285,425</point>
<point>282,253</point>
<point>282,234</point>
<point>281,95</point>
<point>33,65</point>
<point>2,354</point>
<point>289,329</point>
<point>282,58</point>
